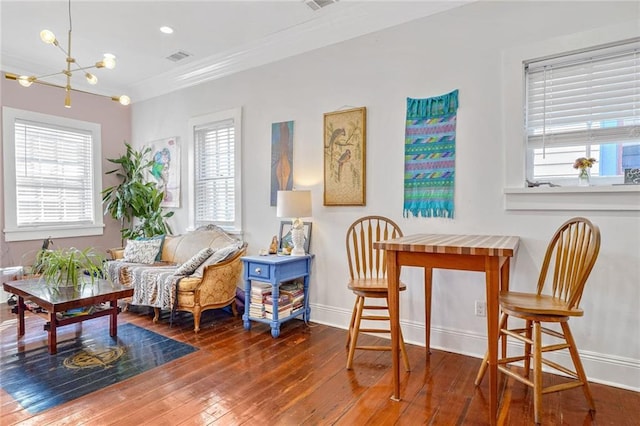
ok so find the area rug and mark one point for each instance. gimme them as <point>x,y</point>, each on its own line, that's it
<point>39,381</point>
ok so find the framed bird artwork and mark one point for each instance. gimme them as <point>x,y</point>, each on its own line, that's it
<point>344,157</point>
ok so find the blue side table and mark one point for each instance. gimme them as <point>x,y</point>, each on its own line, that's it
<point>275,270</point>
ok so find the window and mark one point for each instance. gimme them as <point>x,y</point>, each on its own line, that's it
<point>216,170</point>
<point>584,104</point>
<point>52,172</point>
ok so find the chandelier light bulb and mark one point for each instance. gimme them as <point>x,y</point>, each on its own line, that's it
<point>166,30</point>
<point>92,79</point>
<point>124,100</point>
<point>25,81</point>
<point>109,61</point>
<point>48,37</point>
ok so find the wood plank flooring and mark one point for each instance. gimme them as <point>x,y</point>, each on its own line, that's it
<point>243,377</point>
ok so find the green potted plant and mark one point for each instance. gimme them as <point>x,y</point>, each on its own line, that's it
<point>136,200</point>
<point>152,218</point>
<point>69,267</point>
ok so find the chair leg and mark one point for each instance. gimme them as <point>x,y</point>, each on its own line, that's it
<point>485,359</point>
<point>573,350</point>
<point>197,311</point>
<point>403,351</point>
<point>537,371</point>
<point>503,337</point>
<point>353,319</point>
<point>356,330</point>
<point>483,369</point>
<point>527,350</point>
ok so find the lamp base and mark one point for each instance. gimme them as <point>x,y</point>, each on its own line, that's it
<point>298,252</point>
<point>297,238</point>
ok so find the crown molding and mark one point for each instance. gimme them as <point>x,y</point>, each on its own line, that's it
<point>330,27</point>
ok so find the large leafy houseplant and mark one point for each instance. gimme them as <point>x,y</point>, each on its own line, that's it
<point>69,267</point>
<point>135,201</point>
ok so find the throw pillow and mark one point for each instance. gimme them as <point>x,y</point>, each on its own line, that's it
<point>156,237</point>
<point>217,257</point>
<point>192,264</point>
<point>141,251</point>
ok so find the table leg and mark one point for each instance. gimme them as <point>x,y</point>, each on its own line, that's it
<point>307,308</point>
<point>21,309</point>
<point>113,323</point>
<point>52,332</point>
<point>428,280</point>
<point>247,301</point>
<point>393,295</point>
<point>504,274</point>
<point>504,286</point>
<point>492,270</point>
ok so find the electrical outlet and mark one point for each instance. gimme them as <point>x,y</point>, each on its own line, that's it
<point>481,308</point>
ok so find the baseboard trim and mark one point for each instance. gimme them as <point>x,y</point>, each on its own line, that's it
<point>610,370</point>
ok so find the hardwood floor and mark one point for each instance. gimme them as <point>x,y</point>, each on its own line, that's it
<point>249,378</point>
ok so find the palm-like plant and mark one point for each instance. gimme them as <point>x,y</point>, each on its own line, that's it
<point>152,217</point>
<point>135,197</point>
<point>69,266</point>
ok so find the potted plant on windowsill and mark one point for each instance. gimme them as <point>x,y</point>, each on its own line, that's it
<point>69,267</point>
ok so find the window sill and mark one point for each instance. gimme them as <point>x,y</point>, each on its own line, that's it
<point>39,233</point>
<point>602,198</point>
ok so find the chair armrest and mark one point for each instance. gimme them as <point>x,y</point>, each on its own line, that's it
<point>116,253</point>
<point>219,281</point>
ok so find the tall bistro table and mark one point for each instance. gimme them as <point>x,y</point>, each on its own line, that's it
<point>482,253</point>
<point>58,300</point>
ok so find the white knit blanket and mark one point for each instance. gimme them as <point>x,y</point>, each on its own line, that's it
<point>152,285</point>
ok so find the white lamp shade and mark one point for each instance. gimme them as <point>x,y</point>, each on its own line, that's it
<point>293,204</point>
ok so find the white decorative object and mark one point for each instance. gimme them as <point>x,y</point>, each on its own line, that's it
<point>295,205</point>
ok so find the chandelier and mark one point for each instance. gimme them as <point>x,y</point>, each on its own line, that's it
<point>108,61</point>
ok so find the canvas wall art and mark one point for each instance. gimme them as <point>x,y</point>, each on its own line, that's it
<point>166,169</point>
<point>281,158</point>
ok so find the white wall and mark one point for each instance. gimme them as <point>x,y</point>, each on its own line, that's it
<point>460,49</point>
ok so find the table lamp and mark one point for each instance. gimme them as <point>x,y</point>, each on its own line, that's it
<point>294,205</point>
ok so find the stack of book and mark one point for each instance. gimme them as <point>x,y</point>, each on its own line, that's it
<point>295,291</point>
<point>86,310</point>
<point>284,306</point>
<point>259,291</point>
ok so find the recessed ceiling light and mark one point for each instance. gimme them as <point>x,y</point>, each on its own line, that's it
<point>166,30</point>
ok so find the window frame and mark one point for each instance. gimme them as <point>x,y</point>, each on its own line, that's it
<point>234,114</point>
<point>534,71</point>
<point>12,231</point>
<point>517,196</point>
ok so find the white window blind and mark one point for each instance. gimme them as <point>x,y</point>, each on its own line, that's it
<point>577,102</point>
<point>215,167</point>
<point>54,175</point>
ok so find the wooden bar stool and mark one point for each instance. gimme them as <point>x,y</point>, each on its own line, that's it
<point>367,268</point>
<point>567,264</point>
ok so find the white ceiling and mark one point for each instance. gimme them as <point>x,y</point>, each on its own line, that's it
<point>223,36</point>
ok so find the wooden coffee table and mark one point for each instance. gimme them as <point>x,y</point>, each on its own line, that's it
<point>59,300</point>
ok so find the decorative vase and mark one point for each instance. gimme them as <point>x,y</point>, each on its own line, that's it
<point>584,176</point>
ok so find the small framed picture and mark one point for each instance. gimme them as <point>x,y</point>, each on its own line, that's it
<point>285,235</point>
<point>345,157</point>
